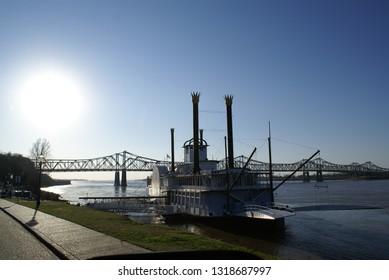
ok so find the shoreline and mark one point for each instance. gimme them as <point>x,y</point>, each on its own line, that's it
<point>154,237</point>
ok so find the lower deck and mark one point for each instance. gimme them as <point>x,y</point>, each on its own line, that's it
<point>216,203</point>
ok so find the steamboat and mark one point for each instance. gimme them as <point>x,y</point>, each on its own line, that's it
<point>213,192</point>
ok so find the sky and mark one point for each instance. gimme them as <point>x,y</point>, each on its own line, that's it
<point>99,77</point>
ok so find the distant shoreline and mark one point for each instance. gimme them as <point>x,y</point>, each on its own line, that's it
<point>334,177</point>
<point>59,182</point>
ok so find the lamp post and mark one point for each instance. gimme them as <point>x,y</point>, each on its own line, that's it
<point>38,198</point>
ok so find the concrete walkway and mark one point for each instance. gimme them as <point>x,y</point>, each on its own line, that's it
<point>68,240</point>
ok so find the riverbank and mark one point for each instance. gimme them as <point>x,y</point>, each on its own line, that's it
<point>155,237</point>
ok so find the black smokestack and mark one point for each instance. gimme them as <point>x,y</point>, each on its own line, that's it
<point>196,153</point>
<point>228,100</point>
<point>172,140</point>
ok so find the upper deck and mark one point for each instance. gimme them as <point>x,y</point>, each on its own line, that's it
<point>217,180</point>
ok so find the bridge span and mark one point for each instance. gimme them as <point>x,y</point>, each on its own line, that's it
<point>125,161</point>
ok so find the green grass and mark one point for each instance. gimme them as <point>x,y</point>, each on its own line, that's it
<point>155,237</point>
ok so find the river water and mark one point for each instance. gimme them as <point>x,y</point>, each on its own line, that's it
<point>333,220</point>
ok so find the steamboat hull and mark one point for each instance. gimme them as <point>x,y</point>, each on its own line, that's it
<point>235,224</point>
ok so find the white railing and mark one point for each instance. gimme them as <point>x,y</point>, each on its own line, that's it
<point>259,208</point>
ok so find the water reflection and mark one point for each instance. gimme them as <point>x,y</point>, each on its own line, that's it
<point>120,191</point>
<point>146,218</point>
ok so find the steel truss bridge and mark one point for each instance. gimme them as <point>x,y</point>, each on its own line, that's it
<point>126,161</point>
<point>317,164</point>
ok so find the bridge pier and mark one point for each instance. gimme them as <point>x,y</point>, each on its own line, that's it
<point>319,176</point>
<point>124,178</point>
<point>306,178</point>
<point>117,178</point>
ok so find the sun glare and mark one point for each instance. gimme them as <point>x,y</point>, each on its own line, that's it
<point>51,99</point>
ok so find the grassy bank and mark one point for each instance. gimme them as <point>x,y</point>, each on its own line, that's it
<point>155,237</point>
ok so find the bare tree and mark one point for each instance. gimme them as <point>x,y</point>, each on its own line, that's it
<point>41,148</point>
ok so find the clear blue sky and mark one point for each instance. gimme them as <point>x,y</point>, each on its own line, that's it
<point>99,77</point>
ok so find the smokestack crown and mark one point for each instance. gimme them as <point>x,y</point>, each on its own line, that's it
<point>195,97</point>
<point>228,99</point>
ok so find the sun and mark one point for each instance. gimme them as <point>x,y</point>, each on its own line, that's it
<point>51,99</point>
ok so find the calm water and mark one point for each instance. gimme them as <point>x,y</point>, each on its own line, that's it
<point>340,220</point>
<point>347,220</point>
<point>78,189</point>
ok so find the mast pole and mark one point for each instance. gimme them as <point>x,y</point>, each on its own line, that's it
<point>227,176</point>
<point>270,166</point>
